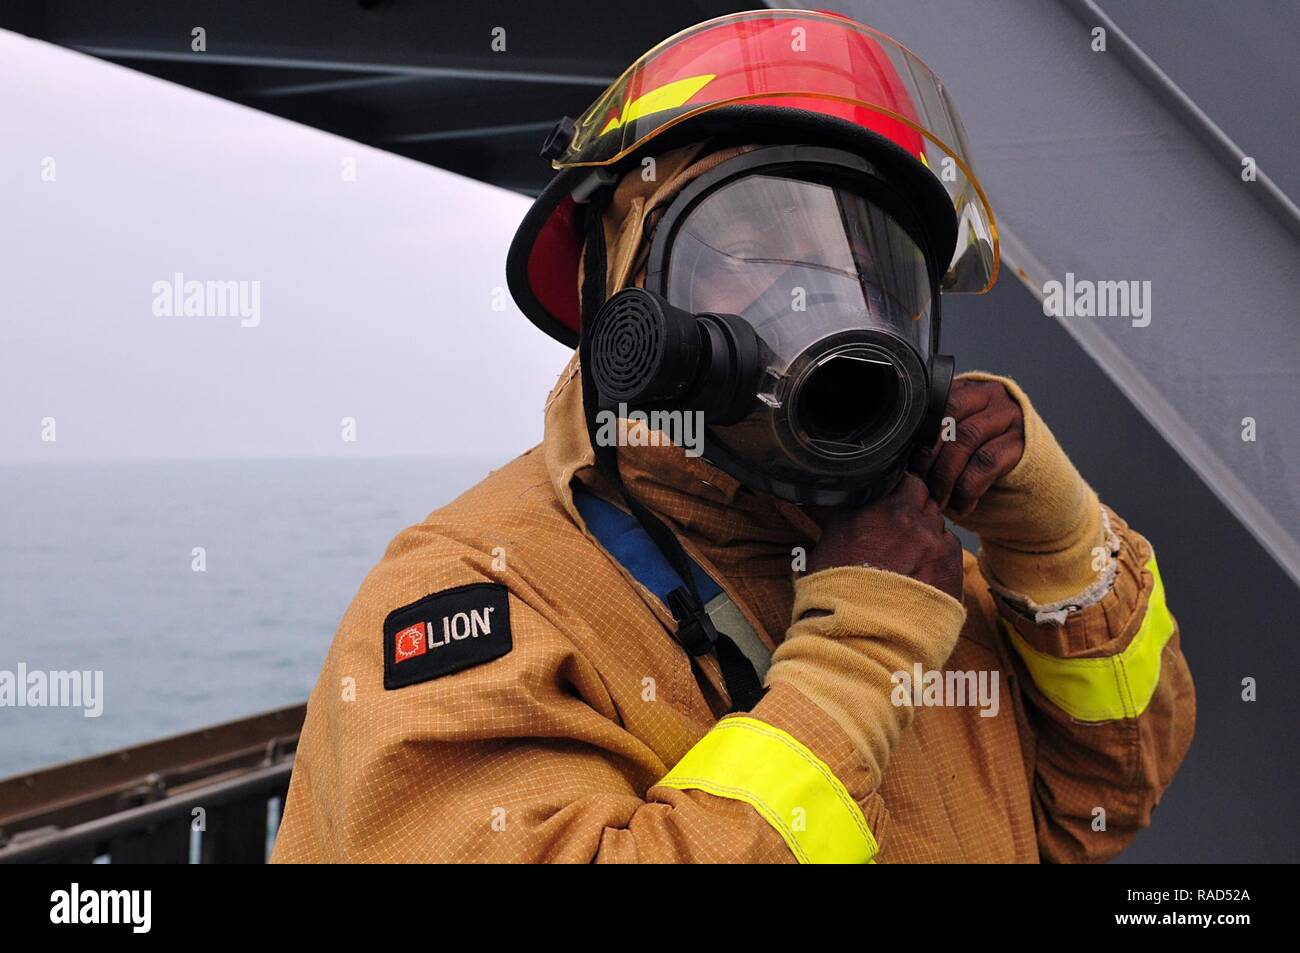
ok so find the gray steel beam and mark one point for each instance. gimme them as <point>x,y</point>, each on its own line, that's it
<point>381,70</point>
<point>473,132</point>
<point>1214,139</point>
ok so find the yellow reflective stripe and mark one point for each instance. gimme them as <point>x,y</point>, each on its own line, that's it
<point>744,759</point>
<point>1106,689</point>
<point>669,96</point>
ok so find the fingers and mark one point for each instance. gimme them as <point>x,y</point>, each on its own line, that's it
<point>923,457</point>
<point>955,583</point>
<point>912,496</point>
<point>902,532</point>
<point>972,433</point>
<point>965,399</point>
<point>932,516</point>
<point>987,464</point>
<point>912,492</point>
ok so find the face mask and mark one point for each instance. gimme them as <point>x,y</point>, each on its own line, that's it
<point>789,300</point>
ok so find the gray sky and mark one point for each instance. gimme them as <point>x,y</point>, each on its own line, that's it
<point>381,299</point>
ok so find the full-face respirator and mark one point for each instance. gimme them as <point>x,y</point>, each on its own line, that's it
<point>789,300</point>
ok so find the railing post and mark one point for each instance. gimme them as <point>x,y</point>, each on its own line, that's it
<point>236,833</point>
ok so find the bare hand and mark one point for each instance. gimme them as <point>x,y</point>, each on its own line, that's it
<point>902,532</point>
<point>989,441</point>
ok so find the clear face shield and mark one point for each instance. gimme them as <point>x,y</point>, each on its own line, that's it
<point>799,260</point>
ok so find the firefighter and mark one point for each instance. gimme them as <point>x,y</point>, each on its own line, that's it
<point>765,644</point>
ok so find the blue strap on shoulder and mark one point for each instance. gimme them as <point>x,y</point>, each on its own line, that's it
<point>625,540</point>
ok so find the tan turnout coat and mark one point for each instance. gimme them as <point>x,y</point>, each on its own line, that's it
<point>553,751</point>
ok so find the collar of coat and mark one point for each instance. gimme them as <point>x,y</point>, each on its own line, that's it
<point>739,531</point>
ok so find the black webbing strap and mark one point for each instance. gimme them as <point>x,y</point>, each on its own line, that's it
<point>695,630</point>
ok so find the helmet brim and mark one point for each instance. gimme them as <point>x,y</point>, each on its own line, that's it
<point>542,264</point>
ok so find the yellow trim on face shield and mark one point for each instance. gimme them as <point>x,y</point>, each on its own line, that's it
<point>747,760</point>
<point>1111,688</point>
<point>668,96</point>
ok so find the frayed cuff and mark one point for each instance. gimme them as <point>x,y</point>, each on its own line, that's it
<point>1055,613</point>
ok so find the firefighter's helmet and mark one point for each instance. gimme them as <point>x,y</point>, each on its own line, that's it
<point>765,77</point>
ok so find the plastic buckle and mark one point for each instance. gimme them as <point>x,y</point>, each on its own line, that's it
<point>695,630</point>
<point>598,179</point>
<point>558,139</point>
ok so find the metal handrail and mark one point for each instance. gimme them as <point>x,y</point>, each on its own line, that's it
<point>156,802</point>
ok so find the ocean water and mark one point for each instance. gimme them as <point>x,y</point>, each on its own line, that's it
<point>96,574</point>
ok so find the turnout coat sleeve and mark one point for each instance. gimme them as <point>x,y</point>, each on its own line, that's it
<point>527,757</point>
<point>1111,709</point>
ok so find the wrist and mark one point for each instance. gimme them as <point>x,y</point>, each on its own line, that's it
<point>856,627</point>
<point>1042,574</point>
<point>863,602</point>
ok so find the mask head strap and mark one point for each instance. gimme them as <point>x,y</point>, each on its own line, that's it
<point>695,630</point>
